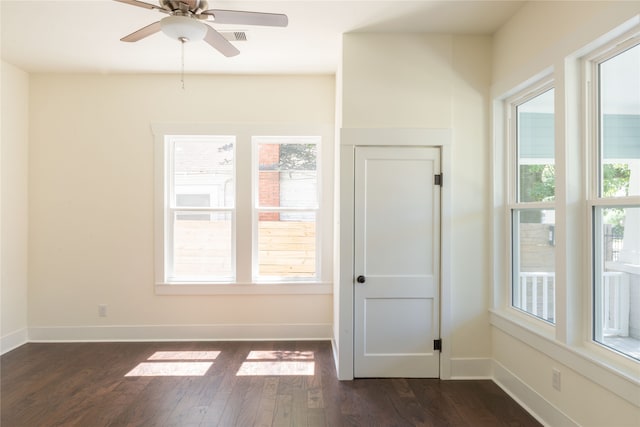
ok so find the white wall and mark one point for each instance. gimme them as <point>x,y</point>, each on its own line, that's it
<point>432,82</point>
<point>521,48</point>
<point>596,388</point>
<point>14,203</point>
<point>91,205</point>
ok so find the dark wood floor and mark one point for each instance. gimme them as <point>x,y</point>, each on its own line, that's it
<point>95,384</point>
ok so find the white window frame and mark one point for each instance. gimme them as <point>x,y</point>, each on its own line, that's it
<point>594,200</point>
<point>513,205</point>
<point>243,283</point>
<point>570,341</point>
<point>171,210</point>
<point>257,209</point>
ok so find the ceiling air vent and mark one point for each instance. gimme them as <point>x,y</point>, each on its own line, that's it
<point>235,36</point>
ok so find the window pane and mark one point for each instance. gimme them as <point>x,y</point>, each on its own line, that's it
<point>202,245</point>
<point>620,125</point>
<point>287,175</point>
<point>533,281</point>
<point>287,245</point>
<point>203,172</point>
<point>535,148</point>
<point>617,279</point>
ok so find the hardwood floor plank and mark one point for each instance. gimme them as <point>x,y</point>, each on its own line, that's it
<point>314,398</point>
<point>282,415</point>
<point>267,404</point>
<point>316,418</point>
<point>91,385</point>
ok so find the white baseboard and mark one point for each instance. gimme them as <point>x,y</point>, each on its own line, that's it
<point>13,340</point>
<point>473,368</point>
<point>529,399</point>
<point>261,332</point>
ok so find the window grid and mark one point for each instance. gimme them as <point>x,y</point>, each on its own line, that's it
<point>614,212</point>
<point>532,274</point>
<point>286,217</point>
<point>203,248</point>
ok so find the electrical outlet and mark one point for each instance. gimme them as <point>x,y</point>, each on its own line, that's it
<point>102,310</point>
<point>555,379</point>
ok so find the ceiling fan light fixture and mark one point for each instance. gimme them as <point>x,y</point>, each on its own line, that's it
<point>183,28</point>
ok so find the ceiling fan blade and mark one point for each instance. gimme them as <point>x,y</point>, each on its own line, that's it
<point>142,33</point>
<point>217,41</point>
<point>247,18</point>
<point>142,4</point>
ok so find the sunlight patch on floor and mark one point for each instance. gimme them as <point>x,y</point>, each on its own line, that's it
<point>184,355</point>
<point>276,368</point>
<point>278,363</point>
<point>175,364</point>
<point>170,369</point>
<point>280,355</point>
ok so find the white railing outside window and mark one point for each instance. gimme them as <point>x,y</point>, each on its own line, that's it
<point>537,294</point>
<point>614,294</point>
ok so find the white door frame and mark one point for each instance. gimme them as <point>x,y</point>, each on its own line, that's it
<point>351,138</point>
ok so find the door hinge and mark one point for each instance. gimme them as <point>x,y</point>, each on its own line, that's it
<point>437,344</point>
<point>437,179</point>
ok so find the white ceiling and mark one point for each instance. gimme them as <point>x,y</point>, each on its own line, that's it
<point>84,36</point>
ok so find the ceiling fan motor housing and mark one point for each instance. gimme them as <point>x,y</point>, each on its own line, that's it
<point>184,6</point>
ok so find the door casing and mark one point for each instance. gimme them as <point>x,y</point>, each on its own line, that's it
<point>350,138</point>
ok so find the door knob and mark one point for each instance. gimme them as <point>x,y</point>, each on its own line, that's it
<point>361,279</point>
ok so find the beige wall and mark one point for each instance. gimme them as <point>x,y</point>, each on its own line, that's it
<point>540,31</point>
<point>91,199</point>
<point>435,82</point>
<point>596,389</point>
<point>14,203</point>
<point>580,400</point>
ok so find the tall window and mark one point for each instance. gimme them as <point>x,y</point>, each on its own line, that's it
<point>286,206</point>
<point>615,199</point>
<point>532,195</point>
<point>200,214</point>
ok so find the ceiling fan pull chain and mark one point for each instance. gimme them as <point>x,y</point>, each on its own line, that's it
<point>182,41</point>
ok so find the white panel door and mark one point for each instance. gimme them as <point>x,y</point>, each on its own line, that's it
<point>397,257</point>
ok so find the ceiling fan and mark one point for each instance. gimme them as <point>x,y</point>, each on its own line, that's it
<point>185,22</point>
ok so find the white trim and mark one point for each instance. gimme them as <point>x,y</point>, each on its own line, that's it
<point>541,409</point>
<point>214,332</point>
<point>618,378</point>
<point>471,368</point>
<point>319,288</point>
<point>498,226</point>
<point>334,353</point>
<point>344,285</point>
<point>388,137</point>
<point>446,255</point>
<point>349,139</point>
<point>13,340</point>
<point>243,207</point>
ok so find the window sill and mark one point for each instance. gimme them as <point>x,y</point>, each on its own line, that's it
<point>299,288</point>
<point>615,373</point>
